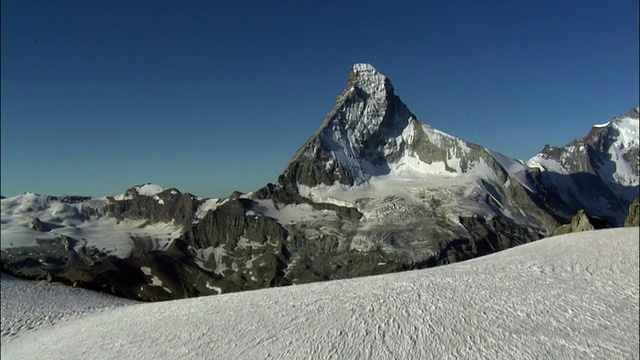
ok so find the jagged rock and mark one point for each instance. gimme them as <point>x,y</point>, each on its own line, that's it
<point>582,222</point>
<point>38,225</point>
<point>169,205</point>
<point>634,214</point>
<point>74,199</point>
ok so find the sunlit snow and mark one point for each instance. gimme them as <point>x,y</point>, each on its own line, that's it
<point>568,297</point>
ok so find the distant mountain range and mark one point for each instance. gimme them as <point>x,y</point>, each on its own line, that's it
<point>374,190</point>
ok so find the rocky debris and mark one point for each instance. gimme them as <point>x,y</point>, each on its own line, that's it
<point>582,222</point>
<point>634,214</point>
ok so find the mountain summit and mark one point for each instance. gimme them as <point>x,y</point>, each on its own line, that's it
<point>371,133</point>
<point>373,190</point>
<point>371,137</point>
<point>356,138</point>
<point>369,81</point>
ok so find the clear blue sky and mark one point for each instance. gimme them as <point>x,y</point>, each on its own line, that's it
<point>212,96</point>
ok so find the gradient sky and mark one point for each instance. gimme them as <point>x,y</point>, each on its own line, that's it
<point>215,96</point>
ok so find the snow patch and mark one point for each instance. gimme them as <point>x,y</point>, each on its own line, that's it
<point>211,287</point>
<point>149,189</point>
<point>208,205</point>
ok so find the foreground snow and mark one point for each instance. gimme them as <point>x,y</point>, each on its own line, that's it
<point>569,297</point>
<point>30,305</point>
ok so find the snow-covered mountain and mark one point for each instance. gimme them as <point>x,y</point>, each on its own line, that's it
<point>146,216</point>
<point>370,133</point>
<point>374,190</point>
<point>598,173</point>
<point>371,145</point>
<point>569,297</point>
<point>420,191</point>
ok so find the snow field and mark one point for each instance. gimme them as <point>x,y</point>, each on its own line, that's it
<point>28,306</point>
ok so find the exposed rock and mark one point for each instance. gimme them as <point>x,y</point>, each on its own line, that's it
<point>634,214</point>
<point>487,237</point>
<point>38,225</point>
<point>582,222</point>
<point>366,115</point>
<point>74,199</point>
<point>167,206</point>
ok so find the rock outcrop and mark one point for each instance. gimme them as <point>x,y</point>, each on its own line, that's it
<point>634,214</point>
<point>582,222</point>
<point>168,205</point>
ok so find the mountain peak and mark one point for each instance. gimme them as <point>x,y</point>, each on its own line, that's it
<point>364,67</point>
<point>367,79</point>
<point>357,138</point>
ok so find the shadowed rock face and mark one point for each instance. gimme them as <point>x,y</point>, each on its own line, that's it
<point>249,241</point>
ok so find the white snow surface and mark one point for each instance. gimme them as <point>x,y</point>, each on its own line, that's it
<point>568,297</point>
<point>149,189</point>
<point>29,306</point>
<point>291,213</point>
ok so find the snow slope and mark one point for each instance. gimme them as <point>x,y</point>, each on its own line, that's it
<point>31,305</point>
<point>568,297</point>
